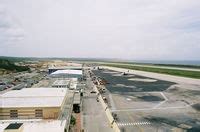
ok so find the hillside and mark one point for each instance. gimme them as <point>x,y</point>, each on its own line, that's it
<point>10,66</point>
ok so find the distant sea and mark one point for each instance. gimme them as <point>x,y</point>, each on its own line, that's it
<point>168,62</point>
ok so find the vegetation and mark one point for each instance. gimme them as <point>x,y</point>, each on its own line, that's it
<point>10,66</point>
<point>179,66</point>
<point>73,120</point>
<point>152,64</point>
<point>183,73</point>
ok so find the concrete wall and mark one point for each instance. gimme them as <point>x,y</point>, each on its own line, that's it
<point>29,113</point>
<point>51,113</point>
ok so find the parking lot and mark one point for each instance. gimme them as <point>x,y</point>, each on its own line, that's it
<point>147,104</point>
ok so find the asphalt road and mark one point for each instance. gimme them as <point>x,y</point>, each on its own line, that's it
<point>93,115</point>
<point>122,84</point>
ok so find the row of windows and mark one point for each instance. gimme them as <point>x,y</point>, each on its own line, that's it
<point>38,113</point>
<point>13,113</point>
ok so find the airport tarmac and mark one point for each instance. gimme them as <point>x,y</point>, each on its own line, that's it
<point>151,104</point>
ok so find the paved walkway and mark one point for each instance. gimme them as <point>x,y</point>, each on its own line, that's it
<point>78,122</point>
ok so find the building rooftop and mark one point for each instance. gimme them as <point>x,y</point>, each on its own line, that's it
<point>74,80</point>
<point>37,125</point>
<point>65,67</point>
<point>35,92</point>
<point>61,83</point>
<point>76,72</point>
<point>33,97</point>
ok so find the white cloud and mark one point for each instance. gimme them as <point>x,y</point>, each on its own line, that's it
<point>10,30</point>
<point>131,29</point>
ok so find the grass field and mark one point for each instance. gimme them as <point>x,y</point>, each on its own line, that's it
<point>182,73</point>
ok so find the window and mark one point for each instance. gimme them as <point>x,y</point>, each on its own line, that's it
<point>38,113</point>
<point>13,113</point>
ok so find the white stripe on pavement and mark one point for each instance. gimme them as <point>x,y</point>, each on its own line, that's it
<point>133,124</point>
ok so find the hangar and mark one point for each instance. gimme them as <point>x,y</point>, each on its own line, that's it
<point>67,74</point>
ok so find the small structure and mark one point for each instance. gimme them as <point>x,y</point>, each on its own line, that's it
<point>70,83</point>
<point>77,103</point>
<point>61,84</point>
<point>73,84</point>
<point>14,127</point>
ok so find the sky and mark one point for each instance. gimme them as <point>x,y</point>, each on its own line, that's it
<point>123,29</point>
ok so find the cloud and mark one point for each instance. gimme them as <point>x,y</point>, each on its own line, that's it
<point>10,30</point>
<point>129,29</point>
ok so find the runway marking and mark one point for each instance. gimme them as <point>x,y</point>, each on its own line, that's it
<point>159,104</point>
<point>166,99</point>
<point>147,109</point>
<point>164,96</point>
<point>133,124</point>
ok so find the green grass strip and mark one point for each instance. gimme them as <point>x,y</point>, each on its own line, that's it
<point>182,73</point>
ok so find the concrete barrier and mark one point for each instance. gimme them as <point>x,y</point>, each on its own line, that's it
<point>108,112</point>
